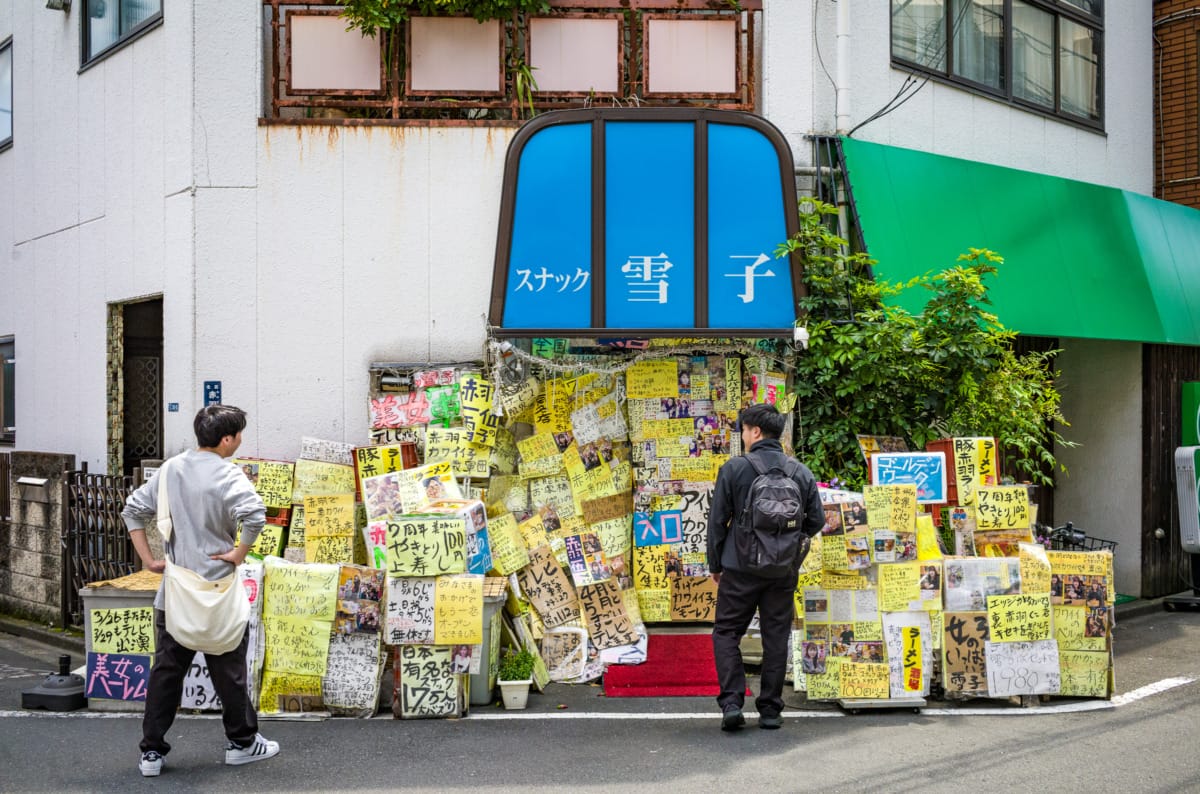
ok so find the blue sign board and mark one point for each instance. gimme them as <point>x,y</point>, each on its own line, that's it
<point>212,392</point>
<point>926,470</point>
<point>645,221</point>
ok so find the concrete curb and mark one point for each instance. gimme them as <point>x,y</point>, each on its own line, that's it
<point>33,631</point>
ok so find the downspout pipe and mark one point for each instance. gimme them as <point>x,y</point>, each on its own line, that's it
<point>842,100</point>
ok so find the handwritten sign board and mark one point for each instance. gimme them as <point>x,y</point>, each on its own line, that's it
<point>410,610</point>
<point>1018,618</point>
<point>1002,507</point>
<point>128,630</point>
<point>1023,668</point>
<point>693,598</point>
<point>351,680</point>
<point>426,685</point>
<point>426,545</point>
<point>603,609</point>
<point>965,663</point>
<point>548,588</point>
<point>117,676</point>
<point>458,610</point>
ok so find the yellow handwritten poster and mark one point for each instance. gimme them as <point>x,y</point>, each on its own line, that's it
<point>652,378</point>
<point>1002,507</point>
<point>927,543</point>
<point>864,680</point>
<point>509,552</point>
<point>452,445</point>
<point>539,445</point>
<point>834,556</point>
<point>1083,563</point>
<point>475,395</point>
<point>1018,618</point>
<point>123,630</point>
<point>281,689</point>
<point>1083,673</point>
<point>899,585</point>
<point>272,479</point>
<point>827,686</point>
<point>426,545</point>
<point>315,477</point>
<point>458,610</point>
<point>269,541</point>
<point>1035,569</point>
<point>654,605</point>
<point>1071,630</point>
<point>891,507</point>
<point>378,459</point>
<point>331,514</point>
<point>868,631</point>
<point>912,660</point>
<point>552,408</point>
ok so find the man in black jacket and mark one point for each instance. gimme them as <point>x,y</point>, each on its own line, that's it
<point>740,593</point>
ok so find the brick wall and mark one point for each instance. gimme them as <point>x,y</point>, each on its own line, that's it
<point>31,548</point>
<point>1177,102</point>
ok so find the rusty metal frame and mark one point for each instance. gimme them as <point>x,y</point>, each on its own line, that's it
<point>287,53</point>
<point>738,78</point>
<point>622,55</point>
<point>598,117</point>
<point>501,26</point>
<point>396,106</point>
<point>96,544</point>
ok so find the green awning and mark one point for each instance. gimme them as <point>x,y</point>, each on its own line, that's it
<point>1081,260</point>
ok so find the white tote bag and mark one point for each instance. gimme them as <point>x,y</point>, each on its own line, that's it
<point>205,616</point>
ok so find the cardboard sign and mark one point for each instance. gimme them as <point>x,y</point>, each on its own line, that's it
<point>548,588</point>
<point>965,663</point>
<point>693,598</point>
<point>604,613</point>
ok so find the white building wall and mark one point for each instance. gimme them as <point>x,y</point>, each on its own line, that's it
<point>798,96</point>
<point>1101,384</point>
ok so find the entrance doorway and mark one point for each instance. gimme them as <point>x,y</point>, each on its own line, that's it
<point>135,384</point>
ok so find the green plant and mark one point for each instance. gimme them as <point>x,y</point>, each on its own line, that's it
<point>516,665</point>
<point>524,84</point>
<point>874,368</point>
<point>371,16</point>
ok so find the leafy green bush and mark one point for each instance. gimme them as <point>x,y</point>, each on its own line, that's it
<point>516,666</point>
<point>874,368</point>
<point>370,16</point>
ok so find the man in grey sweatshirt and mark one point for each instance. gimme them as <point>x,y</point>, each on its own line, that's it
<point>209,497</point>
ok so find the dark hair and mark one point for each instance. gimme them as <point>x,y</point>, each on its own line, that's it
<point>765,417</point>
<point>214,422</point>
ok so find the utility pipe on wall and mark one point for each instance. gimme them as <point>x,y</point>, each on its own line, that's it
<point>842,101</point>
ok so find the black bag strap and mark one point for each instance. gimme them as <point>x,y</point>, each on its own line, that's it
<point>790,467</point>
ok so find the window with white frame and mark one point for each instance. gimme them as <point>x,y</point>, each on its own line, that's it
<point>107,24</point>
<point>1042,54</point>
<point>8,367</point>
<point>6,94</point>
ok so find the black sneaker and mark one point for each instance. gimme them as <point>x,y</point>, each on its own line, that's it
<point>770,721</point>
<point>151,764</point>
<point>732,719</point>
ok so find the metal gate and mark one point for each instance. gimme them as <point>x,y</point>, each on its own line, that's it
<point>96,540</point>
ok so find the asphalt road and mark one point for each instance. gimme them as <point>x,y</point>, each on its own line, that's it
<point>573,738</point>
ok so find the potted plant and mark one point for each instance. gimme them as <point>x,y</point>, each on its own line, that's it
<point>514,676</point>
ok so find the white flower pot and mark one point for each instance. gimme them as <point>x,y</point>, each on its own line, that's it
<point>515,693</point>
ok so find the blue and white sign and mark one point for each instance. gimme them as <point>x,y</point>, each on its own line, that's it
<point>639,221</point>
<point>212,392</point>
<point>926,470</point>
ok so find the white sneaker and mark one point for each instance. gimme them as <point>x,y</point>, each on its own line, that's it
<point>260,750</point>
<point>151,764</point>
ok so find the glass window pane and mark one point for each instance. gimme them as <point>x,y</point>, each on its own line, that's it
<point>8,420</point>
<point>6,91</point>
<point>1089,6</point>
<point>978,27</point>
<point>109,21</point>
<point>1033,54</point>
<point>1079,68</point>
<point>919,32</point>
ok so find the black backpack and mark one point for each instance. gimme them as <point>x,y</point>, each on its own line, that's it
<point>769,534</point>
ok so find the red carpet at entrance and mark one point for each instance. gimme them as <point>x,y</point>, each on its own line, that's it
<point>677,665</point>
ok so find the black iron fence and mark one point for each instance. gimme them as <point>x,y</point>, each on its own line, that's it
<point>97,545</point>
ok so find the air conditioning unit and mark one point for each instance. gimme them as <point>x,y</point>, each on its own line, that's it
<point>1187,466</point>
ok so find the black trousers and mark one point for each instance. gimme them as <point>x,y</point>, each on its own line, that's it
<point>171,664</point>
<point>738,596</point>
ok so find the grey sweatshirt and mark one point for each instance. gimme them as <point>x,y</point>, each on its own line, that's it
<point>208,497</point>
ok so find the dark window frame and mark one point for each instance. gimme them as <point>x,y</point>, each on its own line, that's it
<point>6,143</point>
<point>8,432</point>
<point>131,36</point>
<point>1058,9</point>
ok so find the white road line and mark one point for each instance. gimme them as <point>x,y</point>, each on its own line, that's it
<point>984,711</point>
